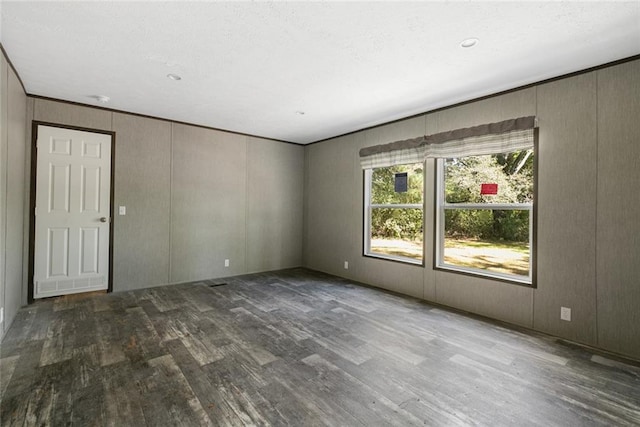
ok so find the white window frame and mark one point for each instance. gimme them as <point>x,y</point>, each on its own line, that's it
<point>442,205</point>
<point>368,209</point>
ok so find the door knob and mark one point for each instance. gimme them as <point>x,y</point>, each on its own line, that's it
<point>103,219</point>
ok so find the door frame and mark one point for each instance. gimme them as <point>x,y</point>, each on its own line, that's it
<point>32,198</point>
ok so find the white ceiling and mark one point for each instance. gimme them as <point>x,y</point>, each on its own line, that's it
<point>249,67</point>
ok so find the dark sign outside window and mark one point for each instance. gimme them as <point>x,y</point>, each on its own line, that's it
<point>400,183</point>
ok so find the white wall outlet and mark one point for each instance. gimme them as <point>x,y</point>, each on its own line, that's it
<point>1,314</point>
<point>346,265</point>
<point>122,210</point>
<point>565,314</point>
<point>226,263</point>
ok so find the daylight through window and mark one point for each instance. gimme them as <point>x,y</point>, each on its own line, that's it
<point>394,212</point>
<point>485,214</point>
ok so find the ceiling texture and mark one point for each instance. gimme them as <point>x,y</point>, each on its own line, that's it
<point>303,71</point>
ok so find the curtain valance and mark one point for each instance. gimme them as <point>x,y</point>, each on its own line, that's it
<point>502,137</point>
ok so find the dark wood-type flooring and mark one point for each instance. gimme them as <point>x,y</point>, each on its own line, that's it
<point>296,348</point>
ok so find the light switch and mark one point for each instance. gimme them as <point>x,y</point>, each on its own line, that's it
<point>122,210</point>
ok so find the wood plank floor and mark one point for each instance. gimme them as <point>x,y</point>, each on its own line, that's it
<point>297,348</point>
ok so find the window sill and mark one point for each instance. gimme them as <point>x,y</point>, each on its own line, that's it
<point>401,260</point>
<point>504,278</point>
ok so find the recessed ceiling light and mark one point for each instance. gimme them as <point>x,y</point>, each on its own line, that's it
<point>300,113</point>
<point>174,77</point>
<point>101,98</point>
<point>469,42</point>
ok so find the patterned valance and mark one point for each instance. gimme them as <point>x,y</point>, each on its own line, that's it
<point>502,137</point>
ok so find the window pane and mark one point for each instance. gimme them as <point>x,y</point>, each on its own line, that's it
<point>397,232</point>
<point>383,185</point>
<point>499,178</point>
<point>485,239</point>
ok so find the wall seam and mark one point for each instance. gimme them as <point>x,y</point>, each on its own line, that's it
<point>424,217</point>
<point>170,233</point>
<point>305,197</point>
<point>434,201</point>
<point>595,252</point>
<point>246,204</point>
<point>357,206</point>
<point>536,220</point>
<point>5,187</point>
<point>30,105</point>
<point>112,219</point>
<point>20,217</point>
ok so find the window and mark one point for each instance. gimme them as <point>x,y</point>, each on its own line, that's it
<point>485,215</point>
<point>484,199</point>
<point>394,212</point>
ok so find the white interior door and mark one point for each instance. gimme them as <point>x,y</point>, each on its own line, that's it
<point>73,207</point>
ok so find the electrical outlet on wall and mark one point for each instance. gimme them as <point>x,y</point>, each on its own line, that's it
<point>346,265</point>
<point>226,263</point>
<point>565,314</point>
<point>1,314</point>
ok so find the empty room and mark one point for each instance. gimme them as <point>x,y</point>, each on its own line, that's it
<point>319,213</point>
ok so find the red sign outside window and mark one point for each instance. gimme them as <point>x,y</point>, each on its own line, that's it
<point>488,189</point>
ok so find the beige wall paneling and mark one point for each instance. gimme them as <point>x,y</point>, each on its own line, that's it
<point>429,286</point>
<point>354,220</point>
<point>504,301</point>
<point>27,200</point>
<point>275,185</point>
<point>407,279</point>
<point>305,209</point>
<point>618,232</point>
<point>3,182</point>
<point>510,105</point>
<point>567,208</point>
<point>13,123</point>
<point>396,131</point>
<point>334,212</point>
<point>16,185</point>
<point>73,115</point>
<point>332,197</point>
<point>143,185</point>
<point>430,219</point>
<point>398,277</point>
<point>208,194</point>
